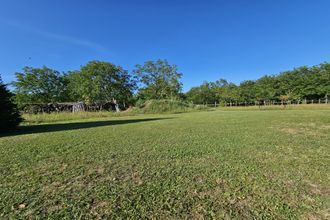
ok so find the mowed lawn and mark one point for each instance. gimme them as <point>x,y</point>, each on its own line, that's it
<point>216,164</point>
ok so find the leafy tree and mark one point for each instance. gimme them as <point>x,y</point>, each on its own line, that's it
<point>321,80</point>
<point>211,92</point>
<point>40,85</point>
<point>101,82</point>
<point>294,85</point>
<point>9,115</point>
<point>229,93</point>
<point>266,88</point>
<point>204,94</point>
<point>225,91</point>
<point>194,95</point>
<point>160,80</point>
<point>247,91</point>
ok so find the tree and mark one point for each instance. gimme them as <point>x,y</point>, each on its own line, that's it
<point>98,82</point>
<point>203,94</point>
<point>322,79</point>
<point>228,93</point>
<point>160,80</point>
<point>9,115</point>
<point>40,85</point>
<point>294,85</point>
<point>225,91</point>
<point>266,88</point>
<point>247,91</point>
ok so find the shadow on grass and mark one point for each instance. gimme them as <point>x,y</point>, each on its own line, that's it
<point>32,129</point>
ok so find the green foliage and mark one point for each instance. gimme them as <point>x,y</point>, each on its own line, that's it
<point>95,82</point>
<point>300,83</point>
<point>203,94</point>
<point>201,165</point>
<point>9,115</point>
<point>160,80</point>
<point>211,92</point>
<point>162,106</point>
<point>101,81</point>
<point>266,88</point>
<point>247,91</point>
<point>156,106</point>
<point>40,85</point>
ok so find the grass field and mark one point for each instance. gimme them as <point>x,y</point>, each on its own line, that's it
<point>216,164</point>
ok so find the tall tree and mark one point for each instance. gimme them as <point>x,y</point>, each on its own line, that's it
<point>160,80</point>
<point>229,93</point>
<point>203,94</point>
<point>40,85</point>
<point>266,88</point>
<point>9,115</point>
<point>247,91</point>
<point>101,82</point>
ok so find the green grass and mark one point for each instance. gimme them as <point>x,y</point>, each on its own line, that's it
<point>218,164</point>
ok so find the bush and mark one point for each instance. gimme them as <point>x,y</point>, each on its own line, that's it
<point>165,106</point>
<point>9,115</point>
<point>200,107</point>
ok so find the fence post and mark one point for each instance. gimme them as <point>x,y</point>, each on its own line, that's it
<point>312,101</point>
<point>319,101</point>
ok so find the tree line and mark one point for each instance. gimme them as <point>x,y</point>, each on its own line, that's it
<point>99,82</point>
<point>301,83</point>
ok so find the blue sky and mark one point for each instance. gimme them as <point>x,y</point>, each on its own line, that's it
<point>208,40</point>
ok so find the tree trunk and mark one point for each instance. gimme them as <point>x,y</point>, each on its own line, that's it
<point>116,105</point>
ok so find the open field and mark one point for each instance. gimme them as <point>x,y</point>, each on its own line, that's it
<point>215,164</point>
<point>31,119</point>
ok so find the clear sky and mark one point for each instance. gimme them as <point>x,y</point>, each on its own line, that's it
<point>208,40</point>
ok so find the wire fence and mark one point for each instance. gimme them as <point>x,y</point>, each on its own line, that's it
<point>266,103</point>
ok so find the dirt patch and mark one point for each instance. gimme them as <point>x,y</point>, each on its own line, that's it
<point>290,130</point>
<point>325,127</point>
<point>323,214</point>
<point>317,189</point>
<point>137,178</point>
<point>302,131</point>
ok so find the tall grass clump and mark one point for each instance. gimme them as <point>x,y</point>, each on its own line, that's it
<point>165,106</point>
<point>67,116</point>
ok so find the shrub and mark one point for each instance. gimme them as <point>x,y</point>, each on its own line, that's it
<point>200,107</point>
<point>164,106</point>
<point>9,115</point>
